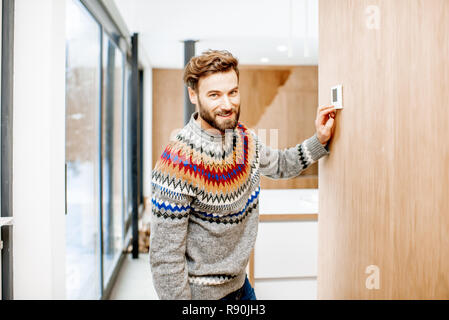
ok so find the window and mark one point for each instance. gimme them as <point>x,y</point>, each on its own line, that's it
<point>112,162</point>
<point>98,150</point>
<point>83,262</point>
<point>128,147</point>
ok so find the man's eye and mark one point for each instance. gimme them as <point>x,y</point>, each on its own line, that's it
<point>234,92</point>
<point>213,95</point>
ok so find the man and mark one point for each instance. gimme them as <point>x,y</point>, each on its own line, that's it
<point>206,187</point>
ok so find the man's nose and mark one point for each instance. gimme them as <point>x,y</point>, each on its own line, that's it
<point>226,103</point>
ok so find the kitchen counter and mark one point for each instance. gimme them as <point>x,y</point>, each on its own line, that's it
<point>288,201</point>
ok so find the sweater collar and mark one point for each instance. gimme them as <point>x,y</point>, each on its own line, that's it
<point>207,135</point>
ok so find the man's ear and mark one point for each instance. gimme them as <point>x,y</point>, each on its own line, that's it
<point>193,96</point>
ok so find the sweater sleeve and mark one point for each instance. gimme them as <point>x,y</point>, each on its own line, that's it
<point>168,233</point>
<point>289,163</point>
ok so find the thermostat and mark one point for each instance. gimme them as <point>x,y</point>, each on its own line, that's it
<point>337,96</point>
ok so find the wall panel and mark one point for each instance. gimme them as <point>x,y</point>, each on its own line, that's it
<point>383,190</point>
<point>168,104</point>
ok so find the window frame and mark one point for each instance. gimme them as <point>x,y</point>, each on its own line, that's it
<point>6,202</point>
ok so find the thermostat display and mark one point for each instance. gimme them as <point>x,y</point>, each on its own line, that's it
<point>337,97</point>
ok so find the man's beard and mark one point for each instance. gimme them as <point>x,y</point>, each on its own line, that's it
<point>228,124</point>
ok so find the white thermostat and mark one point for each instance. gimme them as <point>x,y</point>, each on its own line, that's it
<point>337,97</point>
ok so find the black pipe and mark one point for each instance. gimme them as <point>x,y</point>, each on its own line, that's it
<point>135,138</point>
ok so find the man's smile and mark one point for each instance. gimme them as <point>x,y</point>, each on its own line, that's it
<point>226,115</point>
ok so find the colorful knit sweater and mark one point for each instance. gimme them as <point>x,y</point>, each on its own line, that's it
<point>205,207</point>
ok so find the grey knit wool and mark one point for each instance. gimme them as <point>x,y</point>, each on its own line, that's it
<point>200,244</point>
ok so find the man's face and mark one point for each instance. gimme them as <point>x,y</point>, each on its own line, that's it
<point>218,100</point>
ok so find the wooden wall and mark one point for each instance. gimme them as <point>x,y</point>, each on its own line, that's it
<point>168,104</point>
<point>274,100</point>
<point>384,188</point>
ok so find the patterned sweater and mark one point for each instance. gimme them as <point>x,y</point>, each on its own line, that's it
<point>205,207</point>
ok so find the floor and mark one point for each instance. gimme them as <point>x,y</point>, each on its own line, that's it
<point>134,281</point>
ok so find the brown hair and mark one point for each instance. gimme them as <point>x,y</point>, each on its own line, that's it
<point>209,62</point>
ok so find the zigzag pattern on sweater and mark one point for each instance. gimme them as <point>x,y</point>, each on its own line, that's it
<point>180,163</point>
<point>167,210</point>
<point>183,187</point>
<point>195,149</point>
<point>303,156</point>
<point>211,280</point>
<point>216,185</point>
<point>213,170</point>
<point>167,206</point>
<point>229,198</point>
<point>251,199</point>
<point>227,219</point>
<point>178,185</point>
<point>209,150</point>
<point>167,193</point>
<point>214,199</point>
<point>233,204</point>
<point>194,176</point>
<point>169,214</point>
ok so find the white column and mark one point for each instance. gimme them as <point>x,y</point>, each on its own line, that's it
<point>39,150</point>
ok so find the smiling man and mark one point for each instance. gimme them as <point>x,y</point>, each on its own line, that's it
<point>205,204</point>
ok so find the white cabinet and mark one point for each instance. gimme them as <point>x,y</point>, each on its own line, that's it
<point>288,201</point>
<point>286,250</point>
<point>287,289</point>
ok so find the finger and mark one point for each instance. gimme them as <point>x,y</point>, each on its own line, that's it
<point>320,108</point>
<point>328,126</point>
<point>330,123</point>
<point>325,106</point>
<point>323,116</point>
<point>327,114</point>
<point>325,111</point>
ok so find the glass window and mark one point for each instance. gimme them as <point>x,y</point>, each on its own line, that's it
<point>112,162</point>
<point>128,147</point>
<point>83,42</point>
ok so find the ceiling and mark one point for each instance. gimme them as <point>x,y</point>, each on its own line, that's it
<point>257,32</point>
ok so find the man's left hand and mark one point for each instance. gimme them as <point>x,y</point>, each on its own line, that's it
<point>325,123</point>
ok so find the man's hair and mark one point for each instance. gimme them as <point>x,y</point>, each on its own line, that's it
<point>209,62</point>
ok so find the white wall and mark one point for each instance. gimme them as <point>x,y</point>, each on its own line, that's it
<point>39,149</point>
